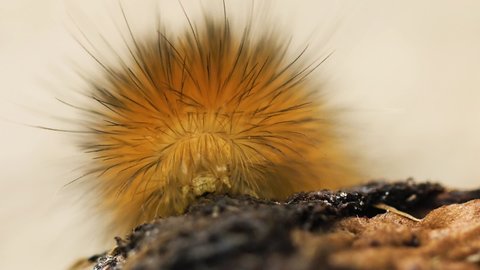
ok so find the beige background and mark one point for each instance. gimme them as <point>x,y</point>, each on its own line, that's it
<point>406,72</point>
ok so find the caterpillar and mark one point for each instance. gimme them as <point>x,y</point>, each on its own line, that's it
<point>215,108</point>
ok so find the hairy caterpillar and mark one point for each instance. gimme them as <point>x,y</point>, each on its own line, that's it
<point>215,108</point>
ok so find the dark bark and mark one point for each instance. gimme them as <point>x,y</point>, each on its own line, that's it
<point>315,230</point>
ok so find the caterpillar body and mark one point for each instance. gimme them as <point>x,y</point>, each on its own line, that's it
<point>214,108</point>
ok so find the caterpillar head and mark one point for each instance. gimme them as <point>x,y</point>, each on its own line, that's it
<point>213,109</point>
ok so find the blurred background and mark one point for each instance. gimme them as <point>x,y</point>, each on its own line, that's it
<point>406,73</point>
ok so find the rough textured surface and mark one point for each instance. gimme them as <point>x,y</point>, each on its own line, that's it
<point>317,230</point>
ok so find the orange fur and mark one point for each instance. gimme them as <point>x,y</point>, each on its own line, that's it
<point>214,110</point>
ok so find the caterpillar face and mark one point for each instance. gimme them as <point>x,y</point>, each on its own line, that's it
<point>211,109</point>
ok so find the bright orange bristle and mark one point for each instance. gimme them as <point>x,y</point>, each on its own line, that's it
<point>212,110</point>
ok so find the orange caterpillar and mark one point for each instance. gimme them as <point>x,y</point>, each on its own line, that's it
<point>213,109</point>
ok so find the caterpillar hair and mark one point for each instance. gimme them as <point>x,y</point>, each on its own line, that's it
<point>216,108</point>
